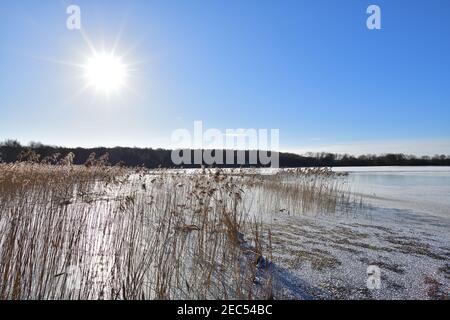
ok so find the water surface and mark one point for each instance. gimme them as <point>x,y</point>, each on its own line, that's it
<point>421,189</point>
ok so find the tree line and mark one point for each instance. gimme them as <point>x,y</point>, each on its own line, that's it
<point>12,151</point>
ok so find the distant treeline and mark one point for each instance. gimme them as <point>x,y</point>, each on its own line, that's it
<point>12,151</point>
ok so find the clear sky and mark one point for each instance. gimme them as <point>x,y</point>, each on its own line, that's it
<point>309,68</point>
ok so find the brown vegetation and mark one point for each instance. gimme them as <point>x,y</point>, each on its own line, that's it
<point>101,232</point>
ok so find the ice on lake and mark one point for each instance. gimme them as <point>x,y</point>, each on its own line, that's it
<point>420,189</point>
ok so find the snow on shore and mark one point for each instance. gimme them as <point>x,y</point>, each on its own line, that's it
<point>404,229</point>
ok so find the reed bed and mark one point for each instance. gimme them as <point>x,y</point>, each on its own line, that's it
<point>101,232</point>
<point>307,191</point>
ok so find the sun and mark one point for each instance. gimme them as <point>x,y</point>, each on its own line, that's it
<point>105,72</point>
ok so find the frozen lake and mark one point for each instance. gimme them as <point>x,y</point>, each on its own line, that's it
<point>420,189</point>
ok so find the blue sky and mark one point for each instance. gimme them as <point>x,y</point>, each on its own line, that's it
<point>309,68</point>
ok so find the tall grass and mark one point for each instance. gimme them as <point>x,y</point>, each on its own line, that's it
<point>99,232</point>
<point>305,190</point>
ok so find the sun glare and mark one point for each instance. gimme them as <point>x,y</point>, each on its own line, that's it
<point>106,73</point>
